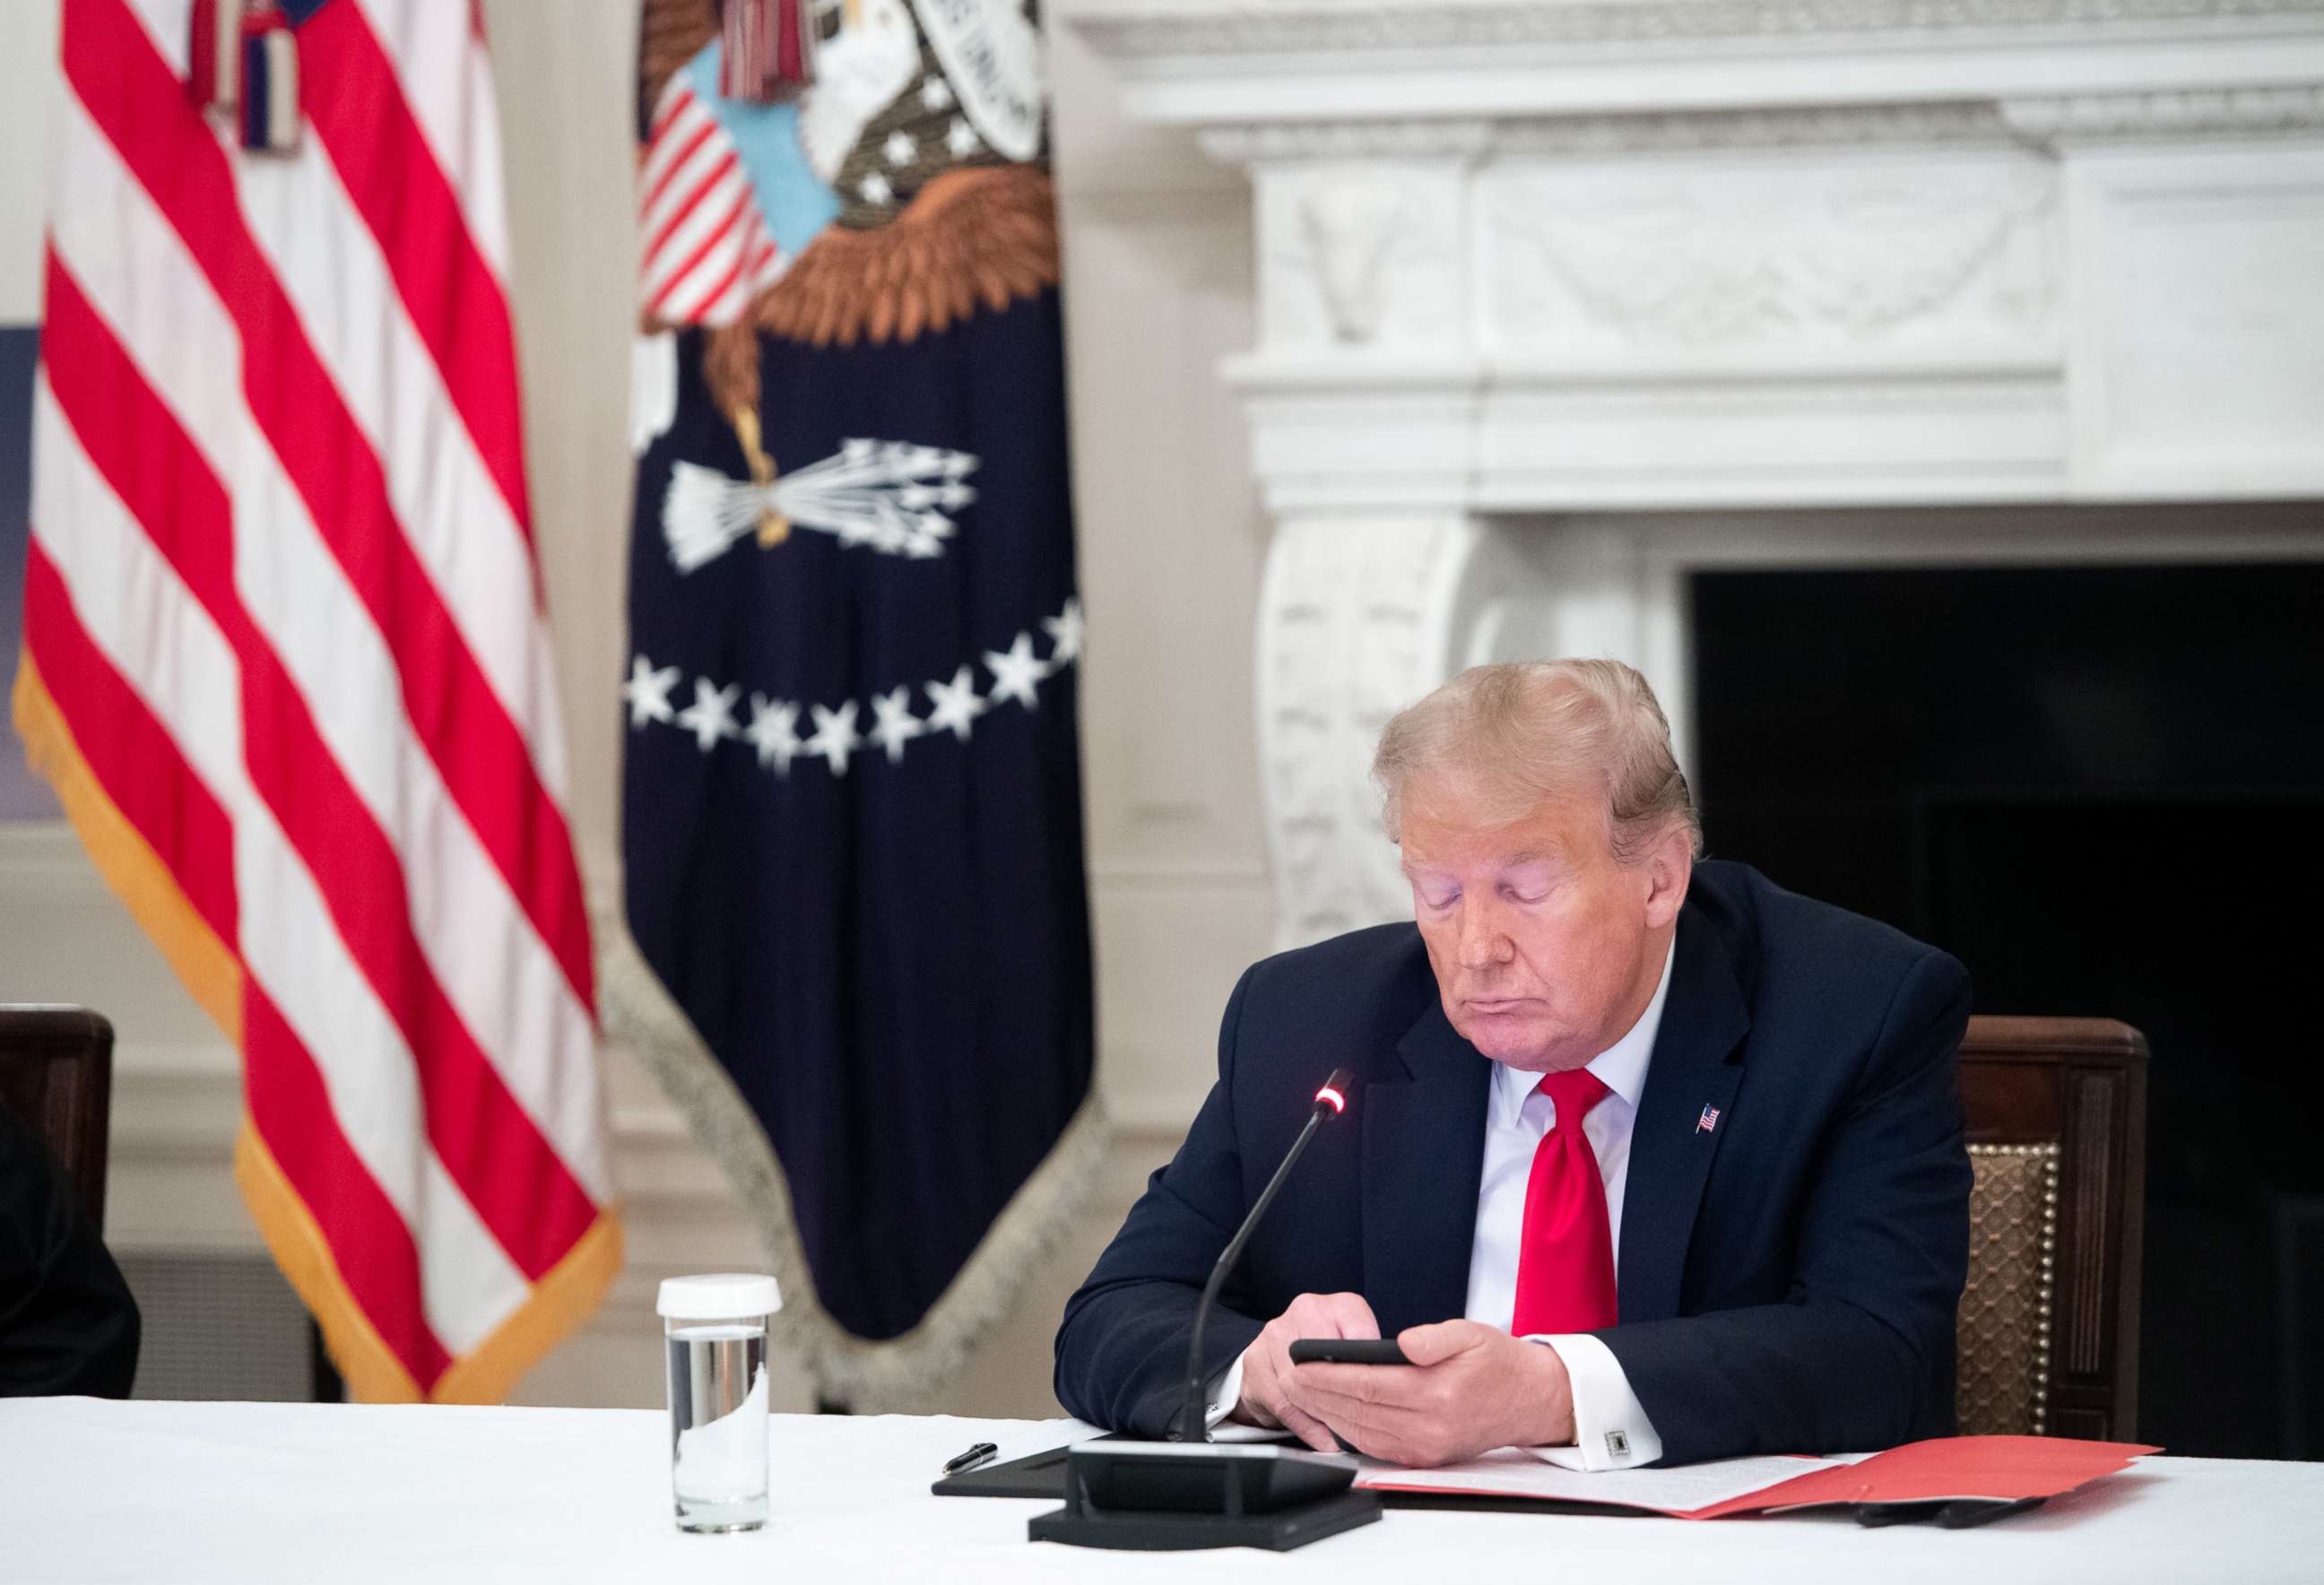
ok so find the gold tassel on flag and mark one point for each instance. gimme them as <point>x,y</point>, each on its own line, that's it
<point>766,48</point>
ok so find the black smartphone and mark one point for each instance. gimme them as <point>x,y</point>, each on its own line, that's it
<point>1346,1350</point>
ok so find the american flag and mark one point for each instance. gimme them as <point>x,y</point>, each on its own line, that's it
<point>706,249</point>
<point>287,666</point>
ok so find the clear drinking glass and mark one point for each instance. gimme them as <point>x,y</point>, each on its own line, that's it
<point>715,1329</point>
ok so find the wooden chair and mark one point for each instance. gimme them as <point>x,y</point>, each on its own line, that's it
<point>56,1072</point>
<point>2057,1131</point>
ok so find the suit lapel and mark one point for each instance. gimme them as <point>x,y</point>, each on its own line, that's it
<point>1424,1156</point>
<point>1696,1065</point>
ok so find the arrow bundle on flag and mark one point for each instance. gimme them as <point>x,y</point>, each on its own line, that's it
<point>891,498</point>
<point>285,665</point>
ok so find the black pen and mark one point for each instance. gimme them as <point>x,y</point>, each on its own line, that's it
<point>973,1457</point>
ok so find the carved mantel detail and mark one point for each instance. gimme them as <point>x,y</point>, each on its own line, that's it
<point>1530,272</point>
<point>1613,259</point>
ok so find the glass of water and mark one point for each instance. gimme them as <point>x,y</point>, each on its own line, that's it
<point>715,1330</point>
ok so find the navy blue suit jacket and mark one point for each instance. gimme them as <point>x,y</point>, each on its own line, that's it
<point>1789,1277</point>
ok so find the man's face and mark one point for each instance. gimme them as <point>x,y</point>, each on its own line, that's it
<point>1545,949</point>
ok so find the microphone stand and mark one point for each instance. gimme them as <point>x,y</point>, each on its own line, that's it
<point>1194,1412</point>
<point>1169,1497</point>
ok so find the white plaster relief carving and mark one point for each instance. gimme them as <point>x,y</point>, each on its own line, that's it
<point>1359,255</point>
<point>1346,639</point>
<point>1349,222</point>
<point>1618,260</point>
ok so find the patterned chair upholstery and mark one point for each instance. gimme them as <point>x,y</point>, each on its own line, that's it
<point>2049,1322</point>
<point>2005,1312</point>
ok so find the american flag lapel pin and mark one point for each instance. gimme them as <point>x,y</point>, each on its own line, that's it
<point>1708,1120</point>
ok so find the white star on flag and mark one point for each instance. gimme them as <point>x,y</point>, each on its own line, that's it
<point>1017,672</point>
<point>711,716</point>
<point>874,189</point>
<point>648,691</point>
<point>954,704</point>
<point>834,736</point>
<point>935,94</point>
<point>774,731</point>
<point>894,724</point>
<point>961,138</point>
<point>1066,631</point>
<point>899,148</point>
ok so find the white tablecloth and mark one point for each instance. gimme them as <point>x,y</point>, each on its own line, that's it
<point>335,1495</point>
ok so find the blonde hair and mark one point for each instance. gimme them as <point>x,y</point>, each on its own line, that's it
<point>1521,733</point>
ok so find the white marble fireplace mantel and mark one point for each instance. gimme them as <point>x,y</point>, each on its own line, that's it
<point>1560,300</point>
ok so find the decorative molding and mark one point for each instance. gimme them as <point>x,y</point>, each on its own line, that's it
<point>1254,143</point>
<point>2241,112</point>
<point>1803,126</point>
<point>1980,122</point>
<point>1252,27</point>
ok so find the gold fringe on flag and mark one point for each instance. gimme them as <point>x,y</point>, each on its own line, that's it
<point>207,967</point>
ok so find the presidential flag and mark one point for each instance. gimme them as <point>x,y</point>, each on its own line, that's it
<point>285,661</point>
<point>852,820</point>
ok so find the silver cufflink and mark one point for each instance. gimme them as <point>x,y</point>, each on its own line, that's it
<point>1618,1443</point>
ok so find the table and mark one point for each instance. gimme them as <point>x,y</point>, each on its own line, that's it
<point>344,1493</point>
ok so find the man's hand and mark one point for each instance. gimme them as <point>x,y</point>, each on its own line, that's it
<point>1470,1387</point>
<point>1267,1364</point>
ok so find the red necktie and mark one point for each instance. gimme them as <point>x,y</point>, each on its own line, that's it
<point>1565,1257</point>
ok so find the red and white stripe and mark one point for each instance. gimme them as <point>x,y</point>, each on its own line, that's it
<point>282,587</point>
<point>706,249</point>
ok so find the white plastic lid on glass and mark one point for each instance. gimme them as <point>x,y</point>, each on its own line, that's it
<point>727,1295</point>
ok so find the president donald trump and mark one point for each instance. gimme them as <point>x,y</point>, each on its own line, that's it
<point>1648,1159</point>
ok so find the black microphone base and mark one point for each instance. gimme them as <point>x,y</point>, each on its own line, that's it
<point>1179,1496</point>
<point>1131,1531</point>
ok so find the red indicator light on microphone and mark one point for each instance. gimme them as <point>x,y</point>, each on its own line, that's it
<point>1334,1093</point>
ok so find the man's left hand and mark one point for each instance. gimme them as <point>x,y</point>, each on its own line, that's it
<point>1470,1387</point>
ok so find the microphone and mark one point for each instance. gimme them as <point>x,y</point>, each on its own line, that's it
<point>1331,1101</point>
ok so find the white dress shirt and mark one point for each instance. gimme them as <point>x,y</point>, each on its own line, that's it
<point>1611,1431</point>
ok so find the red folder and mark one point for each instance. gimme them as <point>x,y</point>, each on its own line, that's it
<point>1998,1469</point>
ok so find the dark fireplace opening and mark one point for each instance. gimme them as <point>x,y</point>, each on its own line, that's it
<point>2103,790</point>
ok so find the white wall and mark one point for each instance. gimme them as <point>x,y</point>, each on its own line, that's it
<point>28,82</point>
<point>1157,246</point>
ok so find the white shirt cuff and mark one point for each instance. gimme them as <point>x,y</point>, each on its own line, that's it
<point>1610,1428</point>
<point>1228,1393</point>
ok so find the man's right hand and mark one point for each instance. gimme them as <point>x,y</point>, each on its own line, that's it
<point>1266,1363</point>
